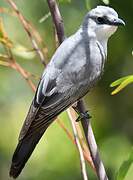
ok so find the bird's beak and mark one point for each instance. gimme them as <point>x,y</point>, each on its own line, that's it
<point>119,22</point>
<point>116,22</point>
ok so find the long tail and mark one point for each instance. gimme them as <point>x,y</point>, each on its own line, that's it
<point>36,123</point>
<point>22,153</point>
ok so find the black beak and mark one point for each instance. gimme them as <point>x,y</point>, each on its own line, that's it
<point>116,22</point>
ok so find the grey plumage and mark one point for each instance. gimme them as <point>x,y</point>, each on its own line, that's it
<point>73,70</point>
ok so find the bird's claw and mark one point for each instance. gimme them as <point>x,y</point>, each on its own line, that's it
<point>83,116</point>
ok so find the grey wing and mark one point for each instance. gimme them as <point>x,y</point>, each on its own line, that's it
<point>46,105</point>
<point>56,89</point>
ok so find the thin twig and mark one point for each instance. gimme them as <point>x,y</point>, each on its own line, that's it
<point>24,74</point>
<point>82,160</point>
<point>45,17</point>
<point>100,170</point>
<point>13,64</point>
<point>32,30</point>
<point>83,144</point>
<point>70,136</point>
<point>27,29</point>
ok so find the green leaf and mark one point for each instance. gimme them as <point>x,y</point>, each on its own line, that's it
<point>119,81</point>
<point>122,85</point>
<point>23,52</point>
<point>3,36</point>
<point>4,63</point>
<point>106,2</point>
<point>122,172</point>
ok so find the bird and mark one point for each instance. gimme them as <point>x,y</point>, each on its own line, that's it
<point>74,69</point>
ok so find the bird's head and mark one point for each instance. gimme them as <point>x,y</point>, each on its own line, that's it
<point>103,21</point>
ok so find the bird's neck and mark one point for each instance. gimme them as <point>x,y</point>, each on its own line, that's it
<point>102,40</point>
<point>90,35</point>
<point>103,43</point>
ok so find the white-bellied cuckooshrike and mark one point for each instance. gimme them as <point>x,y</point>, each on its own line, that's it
<point>74,69</point>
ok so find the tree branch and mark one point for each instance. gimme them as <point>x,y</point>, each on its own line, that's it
<point>100,170</point>
<point>13,64</point>
<point>27,28</point>
<point>57,19</point>
<point>90,138</point>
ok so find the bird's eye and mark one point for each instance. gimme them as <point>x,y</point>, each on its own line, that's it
<point>100,20</point>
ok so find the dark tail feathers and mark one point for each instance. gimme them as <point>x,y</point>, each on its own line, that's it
<point>22,153</point>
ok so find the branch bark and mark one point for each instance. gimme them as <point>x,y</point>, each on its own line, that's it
<point>57,19</point>
<point>100,170</point>
<point>90,138</point>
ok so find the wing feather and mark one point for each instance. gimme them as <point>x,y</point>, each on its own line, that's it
<point>40,116</point>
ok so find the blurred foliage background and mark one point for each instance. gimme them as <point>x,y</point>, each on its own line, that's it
<point>56,157</point>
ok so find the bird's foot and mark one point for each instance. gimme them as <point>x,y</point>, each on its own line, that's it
<point>83,116</point>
